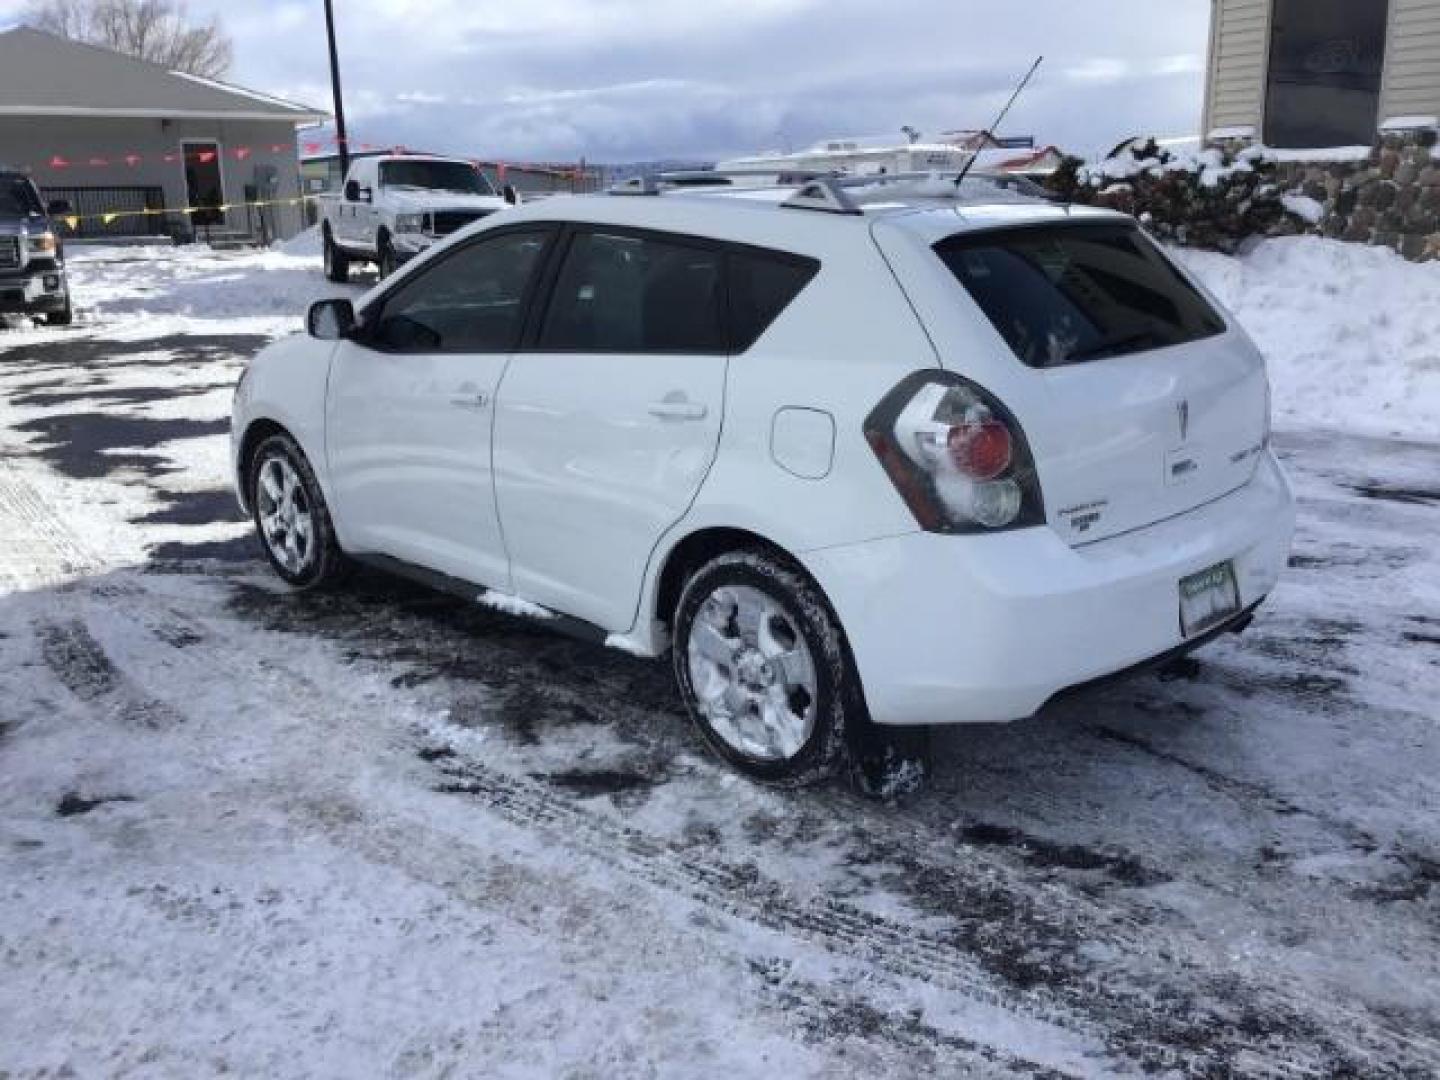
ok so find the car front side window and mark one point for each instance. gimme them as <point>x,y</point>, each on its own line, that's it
<point>470,301</point>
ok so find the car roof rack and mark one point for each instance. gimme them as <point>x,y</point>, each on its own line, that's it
<point>636,185</point>
<point>659,183</point>
<point>825,194</point>
<point>849,194</point>
<point>834,193</point>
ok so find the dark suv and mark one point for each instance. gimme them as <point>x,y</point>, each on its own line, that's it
<point>32,257</point>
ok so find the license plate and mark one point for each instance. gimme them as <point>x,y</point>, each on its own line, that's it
<point>1208,598</point>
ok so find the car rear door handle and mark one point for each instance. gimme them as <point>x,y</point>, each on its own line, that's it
<point>678,409</point>
<point>474,402</point>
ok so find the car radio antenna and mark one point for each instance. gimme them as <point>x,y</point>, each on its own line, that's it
<point>989,133</point>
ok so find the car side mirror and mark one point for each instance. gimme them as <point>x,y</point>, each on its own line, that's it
<point>331,320</point>
<point>352,190</point>
<point>58,207</point>
<point>510,195</point>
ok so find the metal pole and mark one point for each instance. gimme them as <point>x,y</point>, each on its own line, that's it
<point>341,139</point>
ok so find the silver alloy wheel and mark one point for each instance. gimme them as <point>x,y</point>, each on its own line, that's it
<point>285,519</point>
<point>752,673</point>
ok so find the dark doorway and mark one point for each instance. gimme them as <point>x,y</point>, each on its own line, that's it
<point>1326,61</point>
<point>204,186</point>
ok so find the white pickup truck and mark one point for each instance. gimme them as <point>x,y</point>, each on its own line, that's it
<point>394,207</point>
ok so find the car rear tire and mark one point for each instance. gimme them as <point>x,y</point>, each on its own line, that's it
<point>292,517</point>
<point>337,263</point>
<point>764,670</point>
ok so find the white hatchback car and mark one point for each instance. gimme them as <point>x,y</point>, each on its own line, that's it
<point>853,455</point>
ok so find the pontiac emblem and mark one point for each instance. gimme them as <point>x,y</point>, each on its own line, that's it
<point>1182,413</point>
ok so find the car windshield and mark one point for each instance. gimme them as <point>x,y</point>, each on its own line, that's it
<point>1070,293</point>
<point>17,197</point>
<point>454,176</point>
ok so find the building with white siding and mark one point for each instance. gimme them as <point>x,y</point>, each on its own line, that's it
<point>1321,73</point>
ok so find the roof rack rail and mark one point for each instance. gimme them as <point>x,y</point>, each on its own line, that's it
<point>829,192</point>
<point>825,194</point>
<point>658,183</point>
<point>635,185</point>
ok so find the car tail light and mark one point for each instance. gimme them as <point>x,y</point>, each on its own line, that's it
<point>956,455</point>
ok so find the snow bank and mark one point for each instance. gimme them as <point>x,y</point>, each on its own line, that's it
<point>304,245</point>
<point>1351,333</point>
<point>192,288</point>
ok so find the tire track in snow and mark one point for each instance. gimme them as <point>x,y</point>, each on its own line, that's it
<point>39,549</point>
<point>1160,1027</point>
<point>82,666</point>
<point>1204,1021</point>
<point>739,891</point>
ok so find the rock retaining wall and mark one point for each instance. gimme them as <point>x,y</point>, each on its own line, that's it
<point>1232,193</point>
<point>1391,199</point>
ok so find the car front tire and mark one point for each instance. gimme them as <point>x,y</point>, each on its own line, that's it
<point>764,670</point>
<point>292,517</point>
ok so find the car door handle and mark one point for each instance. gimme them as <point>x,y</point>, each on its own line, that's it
<point>474,402</point>
<point>679,410</point>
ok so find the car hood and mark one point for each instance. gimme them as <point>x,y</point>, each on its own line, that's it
<point>415,201</point>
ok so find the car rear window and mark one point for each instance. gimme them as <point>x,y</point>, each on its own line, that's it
<point>1066,294</point>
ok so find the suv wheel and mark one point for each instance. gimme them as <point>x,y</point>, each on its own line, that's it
<point>337,263</point>
<point>292,518</point>
<point>64,317</point>
<point>763,670</point>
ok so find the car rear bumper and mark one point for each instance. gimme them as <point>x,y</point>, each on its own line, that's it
<point>982,629</point>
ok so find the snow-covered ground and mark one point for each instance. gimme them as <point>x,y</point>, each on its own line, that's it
<point>388,833</point>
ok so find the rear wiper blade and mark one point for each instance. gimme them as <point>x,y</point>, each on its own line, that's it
<point>1110,345</point>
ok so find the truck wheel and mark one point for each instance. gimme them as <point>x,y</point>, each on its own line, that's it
<point>64,317</point>
<point>337,263</point>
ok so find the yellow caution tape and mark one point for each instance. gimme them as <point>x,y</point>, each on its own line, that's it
<point>109,217</point>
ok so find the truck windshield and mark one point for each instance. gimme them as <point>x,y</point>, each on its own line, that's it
<point>454,176</point>
<point>18,198</point>
<point>1065,294</point>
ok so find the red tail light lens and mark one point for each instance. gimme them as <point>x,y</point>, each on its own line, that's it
<point>956,455</point>
<point>981,450</point>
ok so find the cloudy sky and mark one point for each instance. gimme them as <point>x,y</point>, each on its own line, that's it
<point>623,80</point>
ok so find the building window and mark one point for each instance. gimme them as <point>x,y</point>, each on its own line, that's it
<point>1326,62</point>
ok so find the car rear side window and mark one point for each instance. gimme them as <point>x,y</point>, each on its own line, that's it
<point>618,292</point>
<point>762,285</point>
<point>1071,293</point>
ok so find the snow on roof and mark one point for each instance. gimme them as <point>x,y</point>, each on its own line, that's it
<point>42,74</point>
<point>1319,154</point>
<point>1410,123</point>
